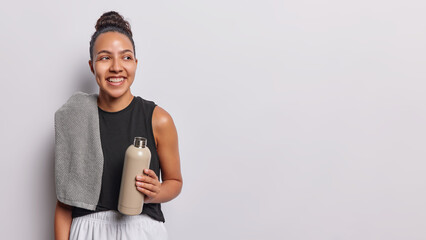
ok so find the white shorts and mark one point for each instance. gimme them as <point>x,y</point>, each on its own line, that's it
<point>112,225</point>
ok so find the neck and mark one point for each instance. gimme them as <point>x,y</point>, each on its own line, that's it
<point>111,104</point>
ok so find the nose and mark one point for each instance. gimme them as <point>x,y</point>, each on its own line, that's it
<point>115,66</point>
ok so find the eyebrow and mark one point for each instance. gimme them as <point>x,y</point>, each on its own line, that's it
<point>108,52</point>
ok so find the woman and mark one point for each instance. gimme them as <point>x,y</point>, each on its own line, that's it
<point>121,116</point>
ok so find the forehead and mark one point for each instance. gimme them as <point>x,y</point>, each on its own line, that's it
<point>112,41</point>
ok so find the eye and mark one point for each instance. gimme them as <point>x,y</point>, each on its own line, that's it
<point>128,58</point>
<point>104,58</point>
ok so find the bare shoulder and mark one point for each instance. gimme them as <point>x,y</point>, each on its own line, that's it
<point>163,126</point>
<point>161,119</point>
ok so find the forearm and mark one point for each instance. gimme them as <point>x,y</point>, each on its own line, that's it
<point>169,190</point>
<point>63,219</point>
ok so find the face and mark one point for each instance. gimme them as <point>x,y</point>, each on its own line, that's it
<point>114,64</point>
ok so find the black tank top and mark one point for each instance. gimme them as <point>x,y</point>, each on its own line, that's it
<point>117,130</point>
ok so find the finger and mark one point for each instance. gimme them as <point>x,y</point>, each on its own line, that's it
<point>146,192</point>
<point>150,173</point>
<point>142,177</point>
<point>147,179</point>
<point>147,173</point>
<point>148,186</point>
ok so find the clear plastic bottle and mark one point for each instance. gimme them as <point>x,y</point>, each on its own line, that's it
<point>136,159</point>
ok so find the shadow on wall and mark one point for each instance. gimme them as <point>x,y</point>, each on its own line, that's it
<point>48,179</point>
<point>85,82</point>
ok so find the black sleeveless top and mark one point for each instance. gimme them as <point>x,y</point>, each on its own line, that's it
<point>118,130</point>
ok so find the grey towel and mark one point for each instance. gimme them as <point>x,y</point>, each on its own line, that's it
<point>78,152</point>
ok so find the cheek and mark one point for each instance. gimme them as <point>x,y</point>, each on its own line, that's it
<point>130,67</point>
<point>131,71</point>
<point>100,70</point>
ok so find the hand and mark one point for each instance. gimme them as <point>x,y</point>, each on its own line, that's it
<point>148,184</point>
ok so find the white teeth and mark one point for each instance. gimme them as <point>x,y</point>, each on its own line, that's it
<point>115,79</point>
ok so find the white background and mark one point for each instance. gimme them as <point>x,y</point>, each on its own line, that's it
<point>296,119</point>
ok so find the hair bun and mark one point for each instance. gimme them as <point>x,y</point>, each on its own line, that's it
<point>113,19</point>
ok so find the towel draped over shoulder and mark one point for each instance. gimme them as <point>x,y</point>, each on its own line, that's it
<point>78,152</point>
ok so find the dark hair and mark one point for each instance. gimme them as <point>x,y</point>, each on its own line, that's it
<point>111,22</point>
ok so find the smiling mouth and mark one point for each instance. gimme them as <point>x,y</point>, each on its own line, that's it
<point>115,79</point>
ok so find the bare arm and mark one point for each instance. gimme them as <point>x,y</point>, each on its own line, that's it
<point>63,221</point>
<point>166,138</point>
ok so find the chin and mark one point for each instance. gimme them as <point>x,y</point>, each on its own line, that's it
<point>117,93</point>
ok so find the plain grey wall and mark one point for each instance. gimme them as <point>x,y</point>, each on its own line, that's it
<point>297,119</point>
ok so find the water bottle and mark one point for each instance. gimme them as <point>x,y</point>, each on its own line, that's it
<point>136,159</point>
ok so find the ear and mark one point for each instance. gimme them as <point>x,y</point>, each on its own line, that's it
<point>136,62</point>
<point>91,67</point>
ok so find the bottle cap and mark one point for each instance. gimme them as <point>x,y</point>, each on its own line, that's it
<point>140,142</point>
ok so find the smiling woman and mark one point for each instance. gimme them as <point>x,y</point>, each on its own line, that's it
<point>88,186</point>
<point>114,66</point>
